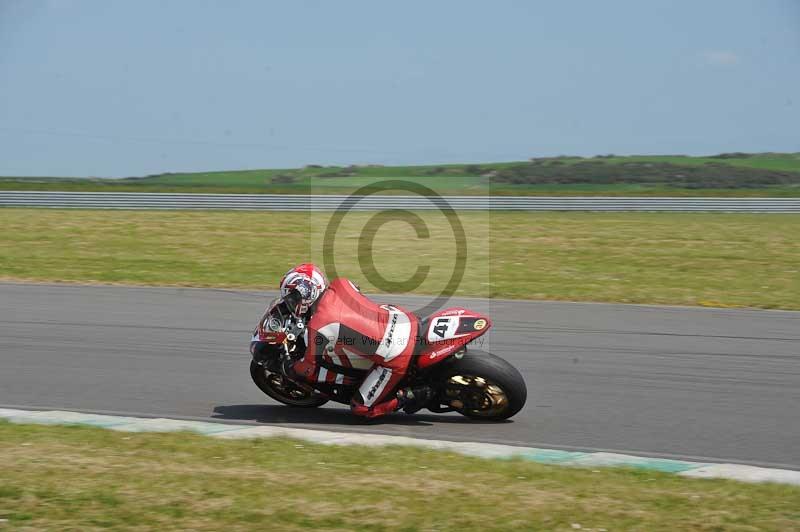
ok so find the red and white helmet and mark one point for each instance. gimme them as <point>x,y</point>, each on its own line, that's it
<point>308,280</point>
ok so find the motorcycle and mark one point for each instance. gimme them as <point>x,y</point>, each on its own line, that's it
<point>474,383</point>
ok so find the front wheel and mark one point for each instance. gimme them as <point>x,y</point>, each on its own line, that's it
<point>483,386</point>
<point>283,390</point>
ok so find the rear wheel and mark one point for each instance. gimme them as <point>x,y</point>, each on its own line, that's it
<point>283,390</point>
<point>483,386</point>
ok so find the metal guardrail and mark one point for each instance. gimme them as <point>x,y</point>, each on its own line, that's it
<point>285,202</point>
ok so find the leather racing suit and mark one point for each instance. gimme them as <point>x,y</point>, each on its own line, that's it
<point>347,330</point>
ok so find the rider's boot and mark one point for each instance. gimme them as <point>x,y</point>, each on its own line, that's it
<point>414,398</point>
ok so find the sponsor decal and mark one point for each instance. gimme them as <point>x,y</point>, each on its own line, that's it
<point>390,332</point>
<point>373,390</point>
<point>479,324</point>
<point>396,334</point>
<point>440,352</point>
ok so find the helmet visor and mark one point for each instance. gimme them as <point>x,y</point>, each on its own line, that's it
<point>294,301</point>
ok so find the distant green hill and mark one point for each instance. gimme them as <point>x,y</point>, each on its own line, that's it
<point>737,174</point>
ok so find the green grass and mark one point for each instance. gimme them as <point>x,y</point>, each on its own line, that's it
<point>444,179</point>
<point>747,260</point>
<point>80,478</point>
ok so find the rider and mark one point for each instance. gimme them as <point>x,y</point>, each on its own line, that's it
<point>344,326</point>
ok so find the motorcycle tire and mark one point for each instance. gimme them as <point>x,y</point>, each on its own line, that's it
<point>285,392</point>
<point>483,386</point>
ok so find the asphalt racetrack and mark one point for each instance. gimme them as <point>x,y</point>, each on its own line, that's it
<point>714,384</point>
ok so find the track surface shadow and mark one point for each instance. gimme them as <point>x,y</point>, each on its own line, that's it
<point>279,414</point>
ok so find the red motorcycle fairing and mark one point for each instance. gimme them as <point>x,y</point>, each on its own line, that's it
<point>447,332</point>
<point>270,326</point>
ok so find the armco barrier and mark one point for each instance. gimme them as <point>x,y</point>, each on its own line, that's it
<point>285,202</point>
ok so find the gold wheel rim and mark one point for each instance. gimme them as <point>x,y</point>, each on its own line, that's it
<point>492,399</point>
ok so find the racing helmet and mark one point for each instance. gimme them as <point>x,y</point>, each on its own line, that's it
<point>302,286</point>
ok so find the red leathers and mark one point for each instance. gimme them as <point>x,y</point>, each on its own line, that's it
<point>347,330</point>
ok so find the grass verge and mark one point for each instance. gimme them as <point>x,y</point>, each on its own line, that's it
<point>663,258</point>
<point>82,478</point>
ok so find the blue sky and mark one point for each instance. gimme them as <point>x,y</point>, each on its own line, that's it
<point>113,88</point>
